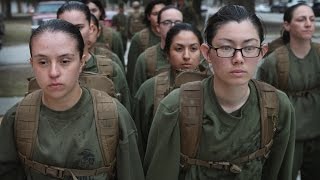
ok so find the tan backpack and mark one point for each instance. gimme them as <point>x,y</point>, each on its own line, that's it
<point>106,120</point>
<point>144,39</point>
<point>282,66</point>
<point>163,88</point>
<point>191,116</point>
<point>107,33</point>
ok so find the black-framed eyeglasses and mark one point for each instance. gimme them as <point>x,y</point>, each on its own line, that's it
<point>228,51</point>
<point>170,23</point>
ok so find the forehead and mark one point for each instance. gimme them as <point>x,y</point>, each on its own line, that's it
<point>185,38</point>
<point>237,32</point>
<point>74,16</point>
<point>53,41</point>
<point>171,14</point>
<point>302,11</point>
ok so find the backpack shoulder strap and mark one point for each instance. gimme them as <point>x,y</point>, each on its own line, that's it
<point>106,118</point>
<point>97,81</point>
<point>162,85</point>
<point>269,110</point>
<point>107,35</point>
<point>104,65</point>
<point>282,66</point>
<point>190,117</point>
<point>151,61</point>
<point>26,123</point>
<point>144,38</point>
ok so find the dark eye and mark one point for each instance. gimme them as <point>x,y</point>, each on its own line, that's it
<point>226,48</point>
<point>178,49</point>
<point>249,48</point>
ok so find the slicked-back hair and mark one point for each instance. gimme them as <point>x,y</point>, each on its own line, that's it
<point>77,6</point>
<point>231,13</point>
<point>165,9</point>
<point>148,10</point>
<point>176,29</point>
<point>287,17</point>
<point>99,4</point>
<point>59,25</point>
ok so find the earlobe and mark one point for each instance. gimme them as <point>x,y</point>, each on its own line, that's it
<point>31,61</point>
<point>205,51</point>
<point>264,49</point>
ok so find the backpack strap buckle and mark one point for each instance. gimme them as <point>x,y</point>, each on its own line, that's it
<point>54,172</point>
<point>235,169</point>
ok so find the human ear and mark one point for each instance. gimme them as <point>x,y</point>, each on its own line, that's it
<point>286,26</point>
<point>264,49</point>
<point>204,48</point>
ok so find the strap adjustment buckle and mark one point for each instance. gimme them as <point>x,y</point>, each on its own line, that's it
<point>54,172</point>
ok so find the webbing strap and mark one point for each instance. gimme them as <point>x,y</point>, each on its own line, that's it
<point>58,172</point>
<point>162,85</point>
<point>144,39</point>
<point>210,164</point>
<point>104,65</point>
<point>151,61</point>
<point>282,66</point>
<point>191,113</point>
<point>106,117</point>
<point>26,123</point>
<point>107,35</point>
<point>269,109</point>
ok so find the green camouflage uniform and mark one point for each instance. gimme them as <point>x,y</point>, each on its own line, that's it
<point>68,139</point>
<point>118,79</point>
<point>304,75</point>
<point>224,137</point>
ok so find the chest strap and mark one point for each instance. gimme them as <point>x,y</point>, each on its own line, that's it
<point>59,172</point>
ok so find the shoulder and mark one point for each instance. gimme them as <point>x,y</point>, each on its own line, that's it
<point>146,87</point>
<point>171,101</point>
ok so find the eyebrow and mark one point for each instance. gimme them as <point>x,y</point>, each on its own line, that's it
<point>178,44</point>
<point>61,56</point>
<point>245,41</point>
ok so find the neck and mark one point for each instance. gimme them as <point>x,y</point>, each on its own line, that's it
<point>162,43</point>
<point>231,98</point>
<point>63,103</point>
<point>154,30</point>
<point>300,48</point>
<point>87,55</point>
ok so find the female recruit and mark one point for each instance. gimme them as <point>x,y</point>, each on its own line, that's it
<point>295,69</point>
<point>182,47</point>
<point>227,126</point>
<point>79,14</point>
<point>55,132</point>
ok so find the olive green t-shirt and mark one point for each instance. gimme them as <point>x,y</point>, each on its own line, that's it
<point>68,139</point>
<point>224,137</point>
<point>304,75</point>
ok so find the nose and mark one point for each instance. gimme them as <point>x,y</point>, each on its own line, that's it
<point>186,54</point>
<point>237,58</point>
<point>54,70</point>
